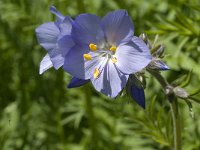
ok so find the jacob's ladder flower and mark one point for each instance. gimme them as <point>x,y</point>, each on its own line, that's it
<point>48,35</point>
<point>105,51</point>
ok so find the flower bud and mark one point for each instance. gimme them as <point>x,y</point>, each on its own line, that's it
<point>157,64</point>
<point>144,37</point>
<point>180,92</point>
<point>159,52</point>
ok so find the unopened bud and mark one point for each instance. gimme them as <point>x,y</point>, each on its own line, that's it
<point>157,64</point>
<point>180,92</point>
<point>144,37</point>
<point>169,90</point>
<point>159,51</point>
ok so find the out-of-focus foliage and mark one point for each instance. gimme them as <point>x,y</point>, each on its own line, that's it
<point>37,112</point>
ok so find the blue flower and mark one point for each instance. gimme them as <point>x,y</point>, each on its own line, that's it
<point>48,35</point>
<point>104,51</point>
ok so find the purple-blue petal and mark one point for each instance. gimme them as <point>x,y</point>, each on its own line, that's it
<point>86,29</point>
<point>65,44</point>
<point>76,82</point>
<point>132,56</point>
<point>137,93</point>
<point>74,62</point>
<point>117,27</point>
<point>45,64</point>
<point>54,11</point>
<point>56,58</point>
<point>65,27</point>
<point>111,80</point>
<point>47,35</point>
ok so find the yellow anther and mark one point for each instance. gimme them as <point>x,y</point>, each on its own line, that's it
<point>114,59</point>
<point>96,73</point>
<point>93,47</point>
<point>87,56</point>
<point>113,48</point>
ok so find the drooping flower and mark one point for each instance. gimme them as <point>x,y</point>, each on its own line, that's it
<point>135,89</point>
<point>105,51</point>
<point>48,35</point>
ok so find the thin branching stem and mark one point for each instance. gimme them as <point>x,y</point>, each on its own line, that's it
<point>174,110</point>
<point>176,126</point>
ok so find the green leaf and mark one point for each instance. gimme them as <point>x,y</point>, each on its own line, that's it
<point>194,99</point>
<point>187,80</point>
<point>190,108</point>
<point>195,92</point>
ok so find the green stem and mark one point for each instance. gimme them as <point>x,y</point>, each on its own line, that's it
<point>174,110</point>
<point>160,78</point>
<point>176,124</point>
<point>90,113</point>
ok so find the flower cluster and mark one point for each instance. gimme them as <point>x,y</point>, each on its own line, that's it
<point>103,51</point>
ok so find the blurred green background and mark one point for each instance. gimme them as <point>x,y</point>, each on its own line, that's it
<point>38,112</point>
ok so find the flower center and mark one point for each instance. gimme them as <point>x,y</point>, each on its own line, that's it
<point>105,48</point>
<point>105,51</point>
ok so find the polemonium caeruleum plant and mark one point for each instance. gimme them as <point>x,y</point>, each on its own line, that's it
<point>105,52</point>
